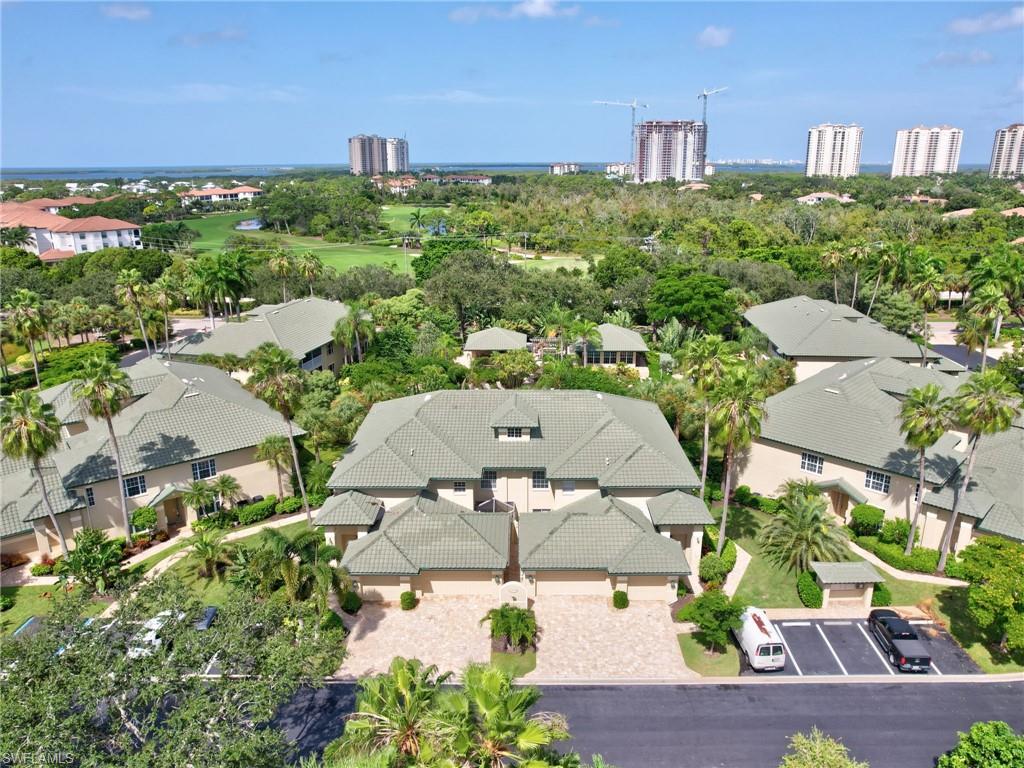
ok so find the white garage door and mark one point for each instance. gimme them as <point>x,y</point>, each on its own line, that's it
<point>573,583</point>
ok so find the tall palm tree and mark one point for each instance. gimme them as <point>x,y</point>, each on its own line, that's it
<point>200,284</point>
<point>131,291</point>
<point>886,260</point>
<point>30,430</point>
<point>924,418</point>
<point>857,255</point>
<point>737,415</point>
<point>985,404</point>
<point>199,496</point>
<point>705,362</point>
<point>309,266</point>
<point>925,289</point>
<point>164,294</point>
<point>989,302</point>
<point>351,330</point>
<point>802,532</point>
<point>282,265</point>
<point>832,259</point>
<point>676,400</point>
<point>16,237</point>
<point>585,332</point>
<point>555,325</point>
<point>973,330</point>
<point>276,379</point>
<point>227,489</point>
<point>102,391</point>
<point>274,450</point>
<point>416,219</point>
<point>25,316</point>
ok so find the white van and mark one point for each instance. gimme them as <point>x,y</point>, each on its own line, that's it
<point>760,642</point>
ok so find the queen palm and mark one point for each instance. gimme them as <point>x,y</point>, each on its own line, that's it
<point>276,379</point>
<point>30,430</point>
<point>886,261</point>
<point>274,450</point>
<point>131,292</point>
<point>416,219</point>
<point>353,328</point>
<point>989,302</point>
<point>802,532</point>
<point>585,332</point>
<point>16,237</point>
<point>164,296</point>
<point>927,283</point>
<point>282,265</point>
<point>857,255</point>
<point>973,330</point>
<point>555,325</point>
<point>737,415</point>
<point>832,259</point>
<point>924,418</point>
<point>101,391</point>
<point>309,267</point>
<point>199,496</point>
<point>985,404</point>
<point>227,489</point>
<point>25,316</point>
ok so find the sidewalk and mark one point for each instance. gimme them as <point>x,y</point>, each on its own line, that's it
<point>732,581</point>
<point>904,575</point>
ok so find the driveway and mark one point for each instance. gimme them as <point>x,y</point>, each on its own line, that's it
<point>584,638</point>
<point>444,631</point>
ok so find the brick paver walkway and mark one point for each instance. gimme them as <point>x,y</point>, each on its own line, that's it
<point>584,638</point>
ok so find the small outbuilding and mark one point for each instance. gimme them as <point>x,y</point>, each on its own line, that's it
<point>846,582</point>
<point>490,340</point>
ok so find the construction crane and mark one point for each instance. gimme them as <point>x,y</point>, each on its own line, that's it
<point>704,119</point>
<point>633,106</point>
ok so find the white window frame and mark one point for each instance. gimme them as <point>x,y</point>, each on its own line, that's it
<point>568,487</point>
<point>812,463</point>
<point>203,464</point>
<point>489,480</point>
<point>90,497</point>
<point>876,481</point>
<point>139,481</point>
<point>459,487</point>
<point>514,433</point>
<point>539,480</point>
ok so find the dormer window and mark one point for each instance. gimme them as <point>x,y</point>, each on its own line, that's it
<point>514,433</point>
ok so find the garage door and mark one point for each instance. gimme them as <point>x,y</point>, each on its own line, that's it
<point>845,592</point>
<point>377,589</point>
<point>455,583</point>
<point>573,583</point>
<point>649,588</point>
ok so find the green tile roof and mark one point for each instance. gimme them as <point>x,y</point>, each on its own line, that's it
<point>805,327</point>
<point>495,340</point>
<point>850,411</point>
<point>515,413</point>
<point>598,532</point>
<point>845,486</point>
<point>300,326</point>
<point>430,533</point>
<point>846,573</point>
<point>349,508</point>
<point>22,500</point>
<point>615,338</point>
<point>679,508</point>
<point>619,442</point>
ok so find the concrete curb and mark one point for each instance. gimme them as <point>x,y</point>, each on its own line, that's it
<point>1005,677</point>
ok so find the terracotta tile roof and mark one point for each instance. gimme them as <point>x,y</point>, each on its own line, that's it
<point>91,224</point>
<point>19,215</point>
<point>63,202</point>
<point>218,191</point>
<point>55,254</point>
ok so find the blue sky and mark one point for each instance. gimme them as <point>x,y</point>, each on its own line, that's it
<point>218,83</point>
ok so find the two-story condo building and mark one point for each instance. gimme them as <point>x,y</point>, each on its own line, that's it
<point>219,195</point>
<point>53,237</point>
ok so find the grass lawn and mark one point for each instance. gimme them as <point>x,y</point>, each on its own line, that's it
<point>397,216</point>
<point>763,584</point>
<point>36,601</point>
<point>553,262</point>
<point>696,657</point>
<point>514,664</point>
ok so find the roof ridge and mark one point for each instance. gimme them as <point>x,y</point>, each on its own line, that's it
<point>584,439</point>
<point>465,522</point>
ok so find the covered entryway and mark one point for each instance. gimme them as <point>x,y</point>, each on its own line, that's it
<point>842,496</point>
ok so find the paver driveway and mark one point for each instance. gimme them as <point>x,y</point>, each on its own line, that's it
<point>584,638</point>
<point>445,631</point>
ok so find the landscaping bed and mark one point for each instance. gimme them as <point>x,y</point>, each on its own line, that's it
<point>725,664</point>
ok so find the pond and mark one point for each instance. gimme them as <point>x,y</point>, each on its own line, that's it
<point>249,224</point>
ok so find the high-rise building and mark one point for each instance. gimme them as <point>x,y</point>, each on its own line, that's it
<point>1008,152</point>
<point>834,150</point>
<point>372,155</point>
<point>924,151</point>
<point>669,149</point>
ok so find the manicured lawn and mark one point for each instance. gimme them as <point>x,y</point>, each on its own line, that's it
<point>36,601</point>
<point>397,216</point>
<point>514,664</point>
<point>553,262</point>
<point>763,584</point>
<point>696,657</point>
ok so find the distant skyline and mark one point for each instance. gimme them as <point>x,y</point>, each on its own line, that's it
<point>172,83</point>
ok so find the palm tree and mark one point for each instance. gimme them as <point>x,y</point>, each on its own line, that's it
<point>282,265</point>
<point>989,302</point>
<point>705,362</point>
<point>924,418</point>
<point>925,289</point>
<point>101,391</point>
<point>30,430</point>
<point>164,295</point>
<point>973,331</point>
<point>210,551</point>
<point>676,400</point>
<point>25,316</point>
<point>857,255</point>
<point>199,496</point>
<point>887,258</point>
<point>276,379</point>
<point>352,328</point>
<point>309,267</point>
<point>802,532</point>
<point>416,219</point>
<point>737,414</point>
<point>274,450</point>
<point>556,324</point>
<point>227,489</point>
<point>833,258</point>
<point>395,711</point>
<point>585,332</point>
<point>130,292</point>
<point>985,404</point>
<point>16,237</point>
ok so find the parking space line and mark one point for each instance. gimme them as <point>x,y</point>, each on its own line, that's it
<point>837,623</point>
<point>831,649</point>
<point>796,623</point>
<point>878,653</point>
<point>789,653</point>
<point>936,668</point>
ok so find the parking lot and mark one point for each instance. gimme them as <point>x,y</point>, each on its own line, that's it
<point>847,647</point>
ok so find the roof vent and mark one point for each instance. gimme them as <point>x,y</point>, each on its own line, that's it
<point>607,461</point>
<point>869,362</point>
<point>426,398</point>
<point>832,391</point>
<point>600,396</point>
<point>191,394</point>
<point>412,451</point>
<point>842,377</point>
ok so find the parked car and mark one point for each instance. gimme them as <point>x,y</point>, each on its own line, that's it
<point>899,641</point>
<point>760,642</point>
<point>205,620</point>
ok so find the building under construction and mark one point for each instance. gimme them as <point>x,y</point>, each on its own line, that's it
<point>669,149</point>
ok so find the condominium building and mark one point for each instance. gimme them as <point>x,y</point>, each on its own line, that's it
<point>53,237</point>
<point>564,169</point>
<point>397,154</point>
<point>834,150</point>
<point>1008,152</point>
<point>924,151</point>
<point>669,149</point>
<point>372,155</point>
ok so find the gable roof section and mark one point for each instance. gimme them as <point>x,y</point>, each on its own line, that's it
<point>615,338</point>
<point>409,441</point>
<point>495,340</point>
<point>515,413</point>
<point>678,508</point>
<point>299,326</point>
<point>851,412</point>
<point>22,500</point>
<point>349,508</point>
<point>598,532</point>
<point>846,573</point>
<point>805,327</point>
<point>428,533</point>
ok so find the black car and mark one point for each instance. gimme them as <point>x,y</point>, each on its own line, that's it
<point>205,620</point>
<point>899,641</point>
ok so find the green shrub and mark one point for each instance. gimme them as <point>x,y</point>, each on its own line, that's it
<point>6,602</point>
<point>516,626</point>
<point>620,599</point>
<point>317,499</point>
<point>729,555</point>
<point>42,569</point>
<point>351,602</point>
<point>921,559</point>
<point>289,505</point>
<point>992,744</point>
<point>895,532</point>
<point>331,621</point>
<point>955,569</point>
<point>144,519</point>
<point>809,591</point>
<point>769,506</point>
<point>712,493</point>
<point>881,596</point>
<point>261,510</point>
<point>712,570</point>
<point>743,496</point>
<point>408,600</point>
<point>866,520</point>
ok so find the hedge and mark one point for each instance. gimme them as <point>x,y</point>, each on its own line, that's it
<point>6,602</point>
<point>407,600</point>
<point>261,510</point>
<point>921,560</point>
<point>291,504</point>
<point>866,520</point>
<point>42,569</point>
<point>144,518</point>
<point>810,593</point>
<point>620,599</point>
<point>351,602</point>
<point>728,555</point>
<point>767,505</point>
<point>881,596</point>
<point>896,532</point>
<point>712,569</point>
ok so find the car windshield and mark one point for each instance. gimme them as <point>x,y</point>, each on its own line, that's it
<point>900,630</point>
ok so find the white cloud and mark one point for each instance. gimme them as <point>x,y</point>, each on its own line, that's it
<point>127,11</point>
<point>600,21</point>
<point>450,96</point>
<point>714,37</point>
<point>229,34</point>
<point>526,9</point>
<point>988,22</point>
<point>960,58</point>
<point>192,93</point>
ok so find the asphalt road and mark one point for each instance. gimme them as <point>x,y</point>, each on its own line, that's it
<point>897,725</point>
